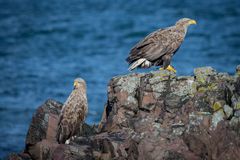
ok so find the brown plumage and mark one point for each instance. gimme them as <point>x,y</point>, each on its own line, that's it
<point>158,47</point>
<point>73,112</point>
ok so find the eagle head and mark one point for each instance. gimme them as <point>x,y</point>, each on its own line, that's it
<point>79,83</point>
<point>185,22</point>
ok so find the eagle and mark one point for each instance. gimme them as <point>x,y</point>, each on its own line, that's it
<point>73,113</point>
<point>158,48</point>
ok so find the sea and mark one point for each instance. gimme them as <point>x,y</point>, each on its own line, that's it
<point>46,44</point>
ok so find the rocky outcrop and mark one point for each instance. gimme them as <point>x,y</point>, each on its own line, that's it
<point>155,115</point>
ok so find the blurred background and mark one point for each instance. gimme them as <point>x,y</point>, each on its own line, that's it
<point>45,45</point>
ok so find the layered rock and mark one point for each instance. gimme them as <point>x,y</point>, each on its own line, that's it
<point>154,115</point>
<point>169,117</point>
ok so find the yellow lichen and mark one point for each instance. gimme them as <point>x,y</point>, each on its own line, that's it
<point>202,89</point>
<point>212,86</point>
<point>201,79</point>
<point>216,106</point>
<point>237,106</point>
<point>193,89</point>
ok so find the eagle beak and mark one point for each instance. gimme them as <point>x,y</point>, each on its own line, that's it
<point>75,84</point>
<point>192,22</point>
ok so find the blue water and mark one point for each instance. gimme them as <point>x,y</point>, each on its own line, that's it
<point>45,45</point>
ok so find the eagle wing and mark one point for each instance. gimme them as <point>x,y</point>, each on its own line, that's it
<point>155,45</point>
<point>72,116</point>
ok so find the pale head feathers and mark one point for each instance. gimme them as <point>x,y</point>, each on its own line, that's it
<point>185,22</point>
<point>79,83</point>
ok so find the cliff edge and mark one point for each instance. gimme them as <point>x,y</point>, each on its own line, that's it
<point>154,115</point>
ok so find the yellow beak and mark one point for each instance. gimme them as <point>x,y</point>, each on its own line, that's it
<point>192,22</point>
<point>75,84</point>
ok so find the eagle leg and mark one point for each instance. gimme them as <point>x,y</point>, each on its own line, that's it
<point>169,68</point>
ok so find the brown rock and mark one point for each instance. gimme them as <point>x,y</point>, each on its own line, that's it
<point>40,126</point>
<point>41,136</point>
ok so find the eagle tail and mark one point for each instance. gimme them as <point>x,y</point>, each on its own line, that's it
<point>136,64</point>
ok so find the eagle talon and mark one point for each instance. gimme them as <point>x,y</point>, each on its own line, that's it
<point>169,68</point>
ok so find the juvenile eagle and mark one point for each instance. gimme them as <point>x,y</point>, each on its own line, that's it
<point>73,112</point>
<point>158,47</point>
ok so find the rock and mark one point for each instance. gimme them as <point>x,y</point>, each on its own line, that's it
<point>203,74</point>
<point>237,105</point>
<point>238,70</point>
<point>21,156</point>
<point>235,121</point>
<point>217,117</point>
<point>14,156</point>
<point>46,117</point>
<point>198,118</point>
<point>228,111</point>
<point>237,85</point>
<point>41,136</point>
<point>237,114</point>
<point>154,115</point>
<point>220,143</point>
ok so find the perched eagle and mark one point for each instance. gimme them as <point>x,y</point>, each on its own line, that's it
<point>73,112</point>
<point>158,47</point>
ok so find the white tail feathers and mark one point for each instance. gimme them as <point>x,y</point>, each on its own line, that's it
<point>137,63</point>
<point>142,62</point>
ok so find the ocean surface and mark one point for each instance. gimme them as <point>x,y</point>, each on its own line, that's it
<point>45,45</point>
